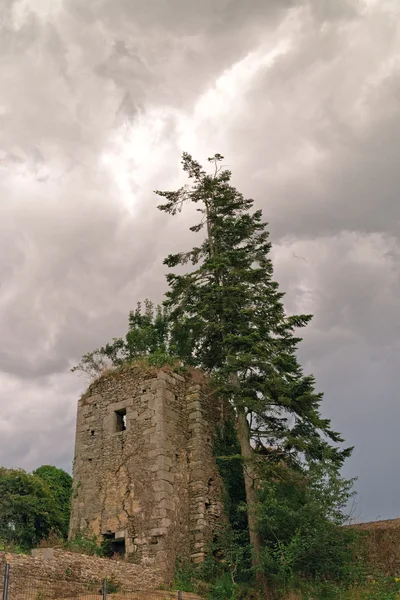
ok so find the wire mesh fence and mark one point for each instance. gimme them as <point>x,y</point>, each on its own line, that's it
<point>16,587</point>
<point>3,586</point>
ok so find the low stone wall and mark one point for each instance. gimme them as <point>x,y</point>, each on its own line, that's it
<point>380,545</point>
<point>59,574</point>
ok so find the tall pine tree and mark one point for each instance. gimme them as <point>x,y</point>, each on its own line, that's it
<point>229,310</point>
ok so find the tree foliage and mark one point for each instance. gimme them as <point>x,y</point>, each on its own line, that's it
<point>231,311</point>
<point>236,328</point>
<point>148,337</point>
<point>230,466</point>
<point>301,514</point>
<point>60,485</point>
<point>28,509</point>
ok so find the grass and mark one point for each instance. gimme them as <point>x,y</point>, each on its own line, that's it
<point>381,588</point>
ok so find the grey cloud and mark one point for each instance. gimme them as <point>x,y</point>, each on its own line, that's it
<point>324,132</point>
<point>313,138</point>
<point>37,421</point>
<point>66,65</point>
<point>81,263</point>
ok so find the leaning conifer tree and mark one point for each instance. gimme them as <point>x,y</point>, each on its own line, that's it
<point>229,310</point>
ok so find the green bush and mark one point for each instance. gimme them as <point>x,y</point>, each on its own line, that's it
<point>224,588</point>
<point>113,585</point>
<point>301,517</point>
<point>85,543</point>
<point>6,546</point>
<point>186,576</point>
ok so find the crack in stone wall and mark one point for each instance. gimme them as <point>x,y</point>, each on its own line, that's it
<point>156,484</point>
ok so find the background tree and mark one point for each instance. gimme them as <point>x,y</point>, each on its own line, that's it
<point>301,514</point>
<point>28,509</point>
<point>60,485</point>
<point>148,337</point>
<point>231,310</point>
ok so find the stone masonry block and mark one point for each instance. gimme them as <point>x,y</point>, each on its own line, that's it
<point>196,415</point>
<point>166,476</point>
<point>165,428</point>
<point>198,474</point>
<point>164,462</point>
<point>166,377</point>
<point>160,496</point>
<point>165,522</point>
<point>194,405</point>
<point>194,387</point>
<point>172,414</point>
<point>178,377</point>
<point>159,384</point>
<point>146,414</point>
<point>160,513</point>
<point>166,504</point>
<point>160,451</point>
<point>148,431</point>
<point>199,545</point>
<point>197,557</point>
<point>195,427</point>
<point>192,398</point>
<point>162,486</point>
<point>169,395</point>
<point>158,531</point>
<point>119,405</point>
<point>157,402</point>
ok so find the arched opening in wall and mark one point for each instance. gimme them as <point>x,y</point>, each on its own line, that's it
<point>113,545</point>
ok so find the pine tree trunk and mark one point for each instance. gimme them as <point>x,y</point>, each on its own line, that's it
<point>245,446</point>
<point>249,480</point>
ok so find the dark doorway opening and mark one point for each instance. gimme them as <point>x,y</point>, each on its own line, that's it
<point>113,546</point>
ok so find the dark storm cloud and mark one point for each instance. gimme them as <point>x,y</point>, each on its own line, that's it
<point>97,102</point>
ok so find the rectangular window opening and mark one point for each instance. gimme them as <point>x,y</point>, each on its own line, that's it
<point>120,419</point>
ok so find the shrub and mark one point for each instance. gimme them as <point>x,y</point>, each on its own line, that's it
<point>85,543</point>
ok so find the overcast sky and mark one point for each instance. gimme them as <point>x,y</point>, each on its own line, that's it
<point>98,99</point>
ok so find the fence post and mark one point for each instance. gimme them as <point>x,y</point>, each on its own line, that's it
<point>6,581</point>
<point>180,595</point>
<point>104,589</point>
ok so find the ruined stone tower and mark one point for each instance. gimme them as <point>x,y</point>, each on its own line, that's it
<point>144,473</point>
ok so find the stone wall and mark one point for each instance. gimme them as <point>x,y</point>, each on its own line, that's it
<point>55,573</point>
<point>153,487</point>
<point>380,546</point>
